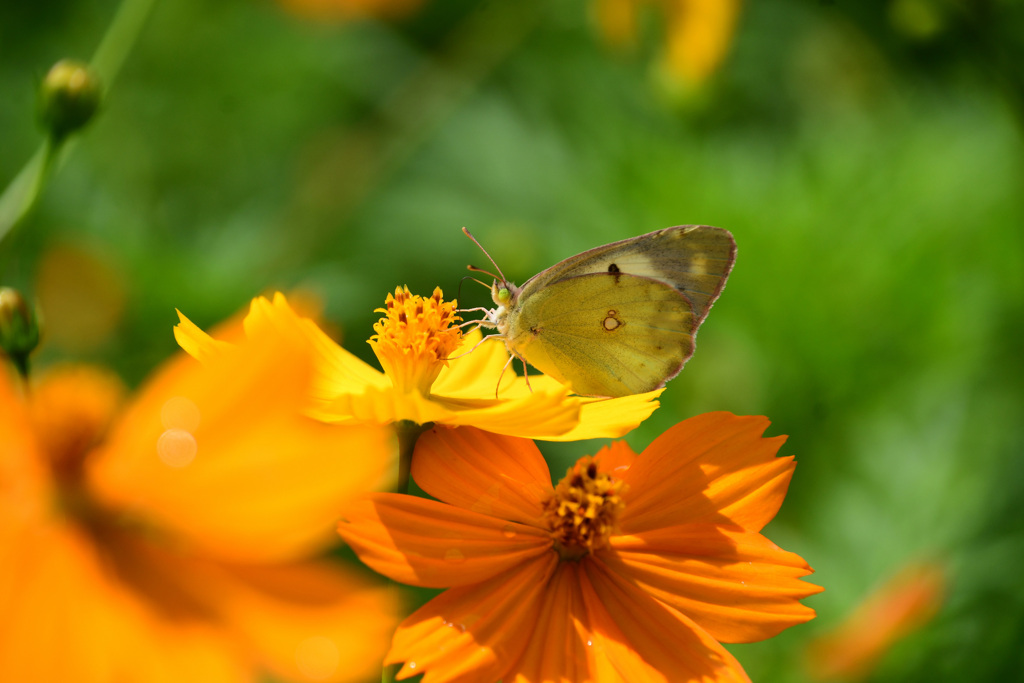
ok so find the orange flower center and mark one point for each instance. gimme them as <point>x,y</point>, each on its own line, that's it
<point>71,410</point>
<point>415,337</point>
<point>584,510</point>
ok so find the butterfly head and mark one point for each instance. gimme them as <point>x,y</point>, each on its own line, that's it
<point>503,294</point>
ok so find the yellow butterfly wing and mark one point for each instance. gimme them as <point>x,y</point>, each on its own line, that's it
<point>606,334</point>
<point>694,259</point>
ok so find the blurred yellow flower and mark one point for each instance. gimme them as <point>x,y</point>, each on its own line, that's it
<point>170,539</point>
<point>633,568</point>
<point>698,33</point>
<point>905,603</point>
<point>83,294</point>
<point>413,342</point>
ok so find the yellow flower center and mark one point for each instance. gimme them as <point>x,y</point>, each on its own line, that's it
<point>415,337</point>
<point>584,510</point>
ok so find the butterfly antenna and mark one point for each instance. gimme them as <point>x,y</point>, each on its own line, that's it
<point>478,270</point>
<point>470,277</point>
<point>458,295</point>
<point>485,272</point>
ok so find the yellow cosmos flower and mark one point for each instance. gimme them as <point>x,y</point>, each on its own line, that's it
<point>414,342</point>
<point>632,568</point>
<point>171,539</point>
<point>698,33</point>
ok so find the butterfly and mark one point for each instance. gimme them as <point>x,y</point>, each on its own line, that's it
<point>619,319</point>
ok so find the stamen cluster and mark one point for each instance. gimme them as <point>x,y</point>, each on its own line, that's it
<point>584,510</point>
<point>415,337</point>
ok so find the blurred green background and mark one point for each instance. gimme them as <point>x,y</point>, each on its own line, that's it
<point>867,156</point>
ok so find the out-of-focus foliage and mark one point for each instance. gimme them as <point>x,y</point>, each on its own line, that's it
<point>868,156</point>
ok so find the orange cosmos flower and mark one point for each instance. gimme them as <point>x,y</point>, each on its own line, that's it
<point>698,33</point>
<point>414,342</point>
<point>632,568</point>
<point>901,606</point>
<point>348,10</point>
<point>169,540</point>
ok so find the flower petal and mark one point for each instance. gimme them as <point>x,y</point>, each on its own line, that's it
<point>736,584</point>
<point>69,620</point>
<point>714,467</point>
<point>543,409</point>
<point>295,619</point>
<point>538,415</point>
<point>426,543</point>
<point>197,343</point>
<point>555,651</point>
<point>666,641</point>
<point>335,370</point>
<point>609,418</point>
<point>377,405</point>
<point>566,647</point>
<point>24,483</point>
<point>473,633</point>
<point>851,650</point>
<point>221,454</point>
<point>495,475</point>
<point>162,652</point>
<point>50,590</point>
<point>474,369</point>
<point>617,21</point>
<point>699,34</point>
<point>615,458</point>
<point>309,620</point>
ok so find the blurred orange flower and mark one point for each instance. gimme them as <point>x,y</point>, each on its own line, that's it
<point>169,540</point>
<point>902,605</point>
<point>632,569</point>
<point>698,33</point>
<point>347,10</point>
<point>413,343</point>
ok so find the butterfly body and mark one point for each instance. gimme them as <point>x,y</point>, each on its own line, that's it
<point>619,319</point>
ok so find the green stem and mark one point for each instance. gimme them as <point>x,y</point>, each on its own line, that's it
<point>389,673</point>
<point>21,195</point>
<point>408,432</point>
<point>20,363</point>
<point>24,191</point>
<point>119,38</point>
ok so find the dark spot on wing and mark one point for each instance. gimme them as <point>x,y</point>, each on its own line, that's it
<point>613,268</point>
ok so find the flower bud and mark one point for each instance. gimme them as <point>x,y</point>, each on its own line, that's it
<point>68,97</point>
<point>19,327</point>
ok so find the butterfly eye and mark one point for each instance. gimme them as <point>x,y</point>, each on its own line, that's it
<point>504,295</point>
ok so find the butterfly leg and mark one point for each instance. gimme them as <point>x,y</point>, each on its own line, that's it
<point>475,346</point>
<point>475,309</point>
<point>497,388</point>
<point>512,355</point>
<point>526,372</point>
